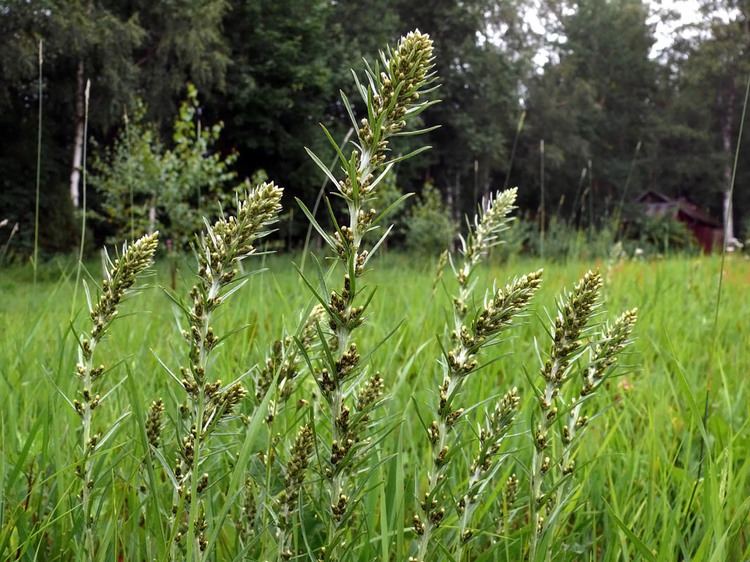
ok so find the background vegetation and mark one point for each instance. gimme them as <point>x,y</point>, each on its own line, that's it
<point>591,86</point>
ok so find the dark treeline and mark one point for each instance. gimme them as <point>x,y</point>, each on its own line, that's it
<point>615,120</point>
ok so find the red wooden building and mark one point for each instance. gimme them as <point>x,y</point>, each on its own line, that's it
<point>708,232</point>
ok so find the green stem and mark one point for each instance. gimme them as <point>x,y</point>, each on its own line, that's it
<point>343,335</point>
<point>454,383</point>
<point>539,470</point>
<point>87,447</point>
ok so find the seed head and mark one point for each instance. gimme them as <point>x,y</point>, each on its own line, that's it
<point>153,422</point>
<point>574,314</point>
<point>295,469</point>
<point>505,304</point>
<point>120,277</point>
<point>492,219</point>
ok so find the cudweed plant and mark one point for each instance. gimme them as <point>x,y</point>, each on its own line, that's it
<point>392,97</point>
<point>209,402</point>
<point>550,479</point>
<point>308,493</point>
<point>120,278</point>
<point>471,331</point>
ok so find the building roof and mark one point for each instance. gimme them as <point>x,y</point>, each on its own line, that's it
<point>661,205</point>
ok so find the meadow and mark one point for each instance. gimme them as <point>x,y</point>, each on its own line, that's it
<point>356,404</point>
<point>662,473</point>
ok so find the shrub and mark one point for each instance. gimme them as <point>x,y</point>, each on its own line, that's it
<point>429,227</point>
<point>663,234</point>
<point>145,186</point>
<point>128,176</point>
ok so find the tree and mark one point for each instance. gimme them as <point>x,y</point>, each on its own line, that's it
<point>124,48</point>
<point>145,187</point>
<point>77,35</point>
<point>593,103</point>
<point>93,43</point>
<point>184,41</point>
<point>128,176</point>
<point>483,51</point>
<point>710,74</point>
<point>280,86</point>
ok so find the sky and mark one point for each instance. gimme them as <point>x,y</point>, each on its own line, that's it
<point>665,32</point>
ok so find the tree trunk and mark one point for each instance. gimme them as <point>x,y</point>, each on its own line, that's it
<point>726,137</point>
<point>457,198</point>
<point>75,171</point>
<point>728,222</point>
<point>152,217</point>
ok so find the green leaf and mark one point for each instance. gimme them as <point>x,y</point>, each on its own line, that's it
<point>349,110</point>
<point>360,88</point>
<point>391,207</point>
<point>417,109</point>
<point>378,244</point>
<point>320,299</point>
<point>416,132</point>
<point>638,543</point>
<point>332,216</point>
<point>334,144</point>
<point>411,154</point>
<point>315,224</point>
<point>238,472</point>
<point>322,166</point>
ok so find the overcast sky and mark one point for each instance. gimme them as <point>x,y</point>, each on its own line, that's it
<point>689,11</point>
<point>665,33</point>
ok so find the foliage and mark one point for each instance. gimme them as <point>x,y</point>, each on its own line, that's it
<point>664,234</point>
<point>316,487</point>
<point>144,187</point>
<point>195,175</point>
<point>120,276</point>
<point>480,84</point>
<point>648,439</point>
<point>128,177</point>
<point>429,226</point>
<point>592,87</point>
<point>128,50</point>
<point>280,85</point>
<point>592,103</point>
<point>393,91</point>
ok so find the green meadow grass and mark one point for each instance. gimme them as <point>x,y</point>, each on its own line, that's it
<point>640,497</point>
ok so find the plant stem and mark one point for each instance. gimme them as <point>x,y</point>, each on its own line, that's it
<point>343,337</point>
<point>452,382</point>
<point>540,464</point>
<point>87,446</point>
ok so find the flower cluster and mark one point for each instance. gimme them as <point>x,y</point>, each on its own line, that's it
<point>120,277</point>
<point>229,240</point>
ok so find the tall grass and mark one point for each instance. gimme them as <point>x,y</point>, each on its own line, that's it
<point>646,444</point>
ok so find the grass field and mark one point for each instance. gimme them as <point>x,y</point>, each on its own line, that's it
<point>638,470</point>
